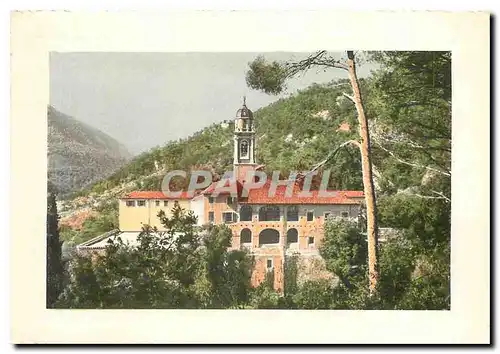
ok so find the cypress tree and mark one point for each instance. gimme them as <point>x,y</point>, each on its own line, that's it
<point>54,263</point>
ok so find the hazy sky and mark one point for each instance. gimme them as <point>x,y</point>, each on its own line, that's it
<point>147,99</point>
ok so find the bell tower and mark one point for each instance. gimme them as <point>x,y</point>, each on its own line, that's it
<point>244,142</point>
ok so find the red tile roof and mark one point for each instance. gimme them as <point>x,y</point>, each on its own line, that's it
<point>261,196</point>
<point>156,195</point>
<point>210,189</point>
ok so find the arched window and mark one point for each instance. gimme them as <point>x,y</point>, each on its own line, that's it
<point>244,148</point>
<point>246,236</point>
<point>269,213</point>
<point>269,237</point>
<point>246,213</point>
<point>292,236</point>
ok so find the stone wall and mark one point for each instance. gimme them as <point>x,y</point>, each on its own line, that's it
<point>310,266</point>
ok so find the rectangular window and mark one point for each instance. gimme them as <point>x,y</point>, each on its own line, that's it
<point>157,203</point>
<point>310,215</point>
<point>141,202</point>
<point>131,203</point>
<point>270,263</point>
<point>211,216</point>
<point>310,241</point>
<point>211,200</point>
<point>292,214</point>
<point>228,217</point>
<point>345,214</point>
<point>165,203</point>
<point>269,213</point>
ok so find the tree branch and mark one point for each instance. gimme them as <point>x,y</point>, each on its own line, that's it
<point>410,163</point>
<point>403,139</point>
<point>349,97</point>
<point>441,194</point>
<point>353,142</point>
<point>320,58</point>
<point>331,154</point>
<point>448,200</point>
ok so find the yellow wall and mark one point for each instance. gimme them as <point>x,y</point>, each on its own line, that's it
<point>133,218</point>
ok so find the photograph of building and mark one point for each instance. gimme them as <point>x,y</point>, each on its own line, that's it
<point>269,227</point>
<point>249,180</point>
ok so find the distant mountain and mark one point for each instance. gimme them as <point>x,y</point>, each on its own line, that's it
<point>79,155</point>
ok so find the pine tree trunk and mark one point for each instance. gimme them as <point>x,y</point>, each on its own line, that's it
<point>369,190</point>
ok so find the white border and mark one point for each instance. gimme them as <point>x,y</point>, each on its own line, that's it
<point>466,34</point>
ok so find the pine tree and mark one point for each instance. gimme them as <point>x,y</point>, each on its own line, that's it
<point>271,78</point>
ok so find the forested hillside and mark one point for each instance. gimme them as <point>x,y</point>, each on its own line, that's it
<point>292,134</point>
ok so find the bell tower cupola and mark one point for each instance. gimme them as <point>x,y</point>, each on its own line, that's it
<point>244,141</point>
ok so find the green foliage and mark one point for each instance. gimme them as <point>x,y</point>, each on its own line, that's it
<point>264,296</point>
<point>290,276</point>
<point>165,270</point>
<point>408,102</point>
<point>67,234</point>
<point>419,259</point>
<point>208,147</point>
<point>344,248</point>
<point>96,226</point>
<point>108,206</point>
<point>314,295</point>
<point>397,262</point>
<point>429,288</point>
<point>268,77</point>
<point>173,271</point>
<point>410,99</point>
<point>76,194</point>
<point>225,274</point>
<point>105,221</point>
<point>414,273</point>
<point>426,221</point>
<point>54,262</point>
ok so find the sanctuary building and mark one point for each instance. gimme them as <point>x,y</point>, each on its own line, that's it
<point>271,221</point>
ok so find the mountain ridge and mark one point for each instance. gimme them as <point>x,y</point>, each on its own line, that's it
<point>79,154</point>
